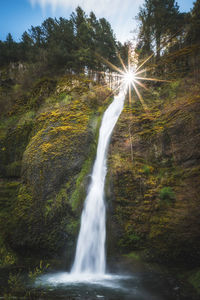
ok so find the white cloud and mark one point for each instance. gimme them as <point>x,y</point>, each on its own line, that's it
<point>105,7</point>
<point>120,13</point>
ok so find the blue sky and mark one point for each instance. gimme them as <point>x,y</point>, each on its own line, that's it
<point>16,16</point>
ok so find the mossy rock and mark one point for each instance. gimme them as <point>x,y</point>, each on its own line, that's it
<point>56,161</point>
<point>153,174</point>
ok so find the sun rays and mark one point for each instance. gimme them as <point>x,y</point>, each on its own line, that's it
<point>132,76</point>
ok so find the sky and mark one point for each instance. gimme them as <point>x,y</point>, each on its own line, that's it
<point>16,16</point>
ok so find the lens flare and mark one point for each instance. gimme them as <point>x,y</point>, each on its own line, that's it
<point>129,77</point>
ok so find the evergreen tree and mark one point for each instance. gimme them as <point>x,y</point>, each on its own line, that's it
<point>194,32</point>
<point>10,50</point>
<point>158,18</point>
<point>61,44</point>
<point>27,53</point>
<point>83,42</point>
<point>145,35</point>
<point>106,45</point>
<point>37,36</point>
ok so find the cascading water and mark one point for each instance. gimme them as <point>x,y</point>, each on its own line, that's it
<point>90,251</point>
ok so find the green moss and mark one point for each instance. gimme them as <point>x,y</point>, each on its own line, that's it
<point>134,255</point>
<point>130,238</point>
<point>156,231</point>
<point>73,226</point>
<point>79,193</point>
<point>12,146</point>
<point>147,170</point>
<point>14,169</point>
<point>52,133</point>
<point>8,196</point>
<point>59,201</point>
<point>24,203</point>
<point>173,88</point>
<point>194,279</point>
<point>42,89</point>
<point>133,237</point>
<point>59,130</point>
<point>63,125</point>
<point>167,193</point>
<point>6,123</point>
<point>153,190</point>
<point>26,118</point>
<point>7,256</point>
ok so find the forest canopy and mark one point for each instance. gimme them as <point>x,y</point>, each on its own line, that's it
<point>69,43</point>
<point>171,36</point>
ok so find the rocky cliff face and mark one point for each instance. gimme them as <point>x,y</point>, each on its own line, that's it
<point>47,150</point>
<point>154,175</point>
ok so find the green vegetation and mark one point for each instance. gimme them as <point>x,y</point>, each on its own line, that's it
<point>194,279</point>
<point>18,281</point>
<point>133,255</point>
<point>65,45</point>
<point>173,42</point>
<point>48,145</point>
<point>146,169</point>
<point>153,16</point>
<point>154,192</point>
<point>166,193</point>
<point>38,271</point>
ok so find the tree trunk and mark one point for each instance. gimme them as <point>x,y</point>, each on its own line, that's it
<point>158,35</point>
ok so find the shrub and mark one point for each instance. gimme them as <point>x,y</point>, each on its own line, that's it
<point>146,170</point>
<point>166,193</point>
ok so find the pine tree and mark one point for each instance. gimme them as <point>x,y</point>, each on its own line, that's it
<point>194,32</point>
<point>157,18</point>
<point>27,53</point>
<point>145,35</point>
<point>83,42</point>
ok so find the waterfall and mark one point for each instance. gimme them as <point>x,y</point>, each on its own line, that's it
<point>90,255</point>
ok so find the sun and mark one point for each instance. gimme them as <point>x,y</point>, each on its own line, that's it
<point>132,76</point>
<point>129,77</point>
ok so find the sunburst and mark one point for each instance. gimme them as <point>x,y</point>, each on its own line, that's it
<point>132,76</point>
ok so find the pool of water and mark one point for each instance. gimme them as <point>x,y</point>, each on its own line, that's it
<point>137,286</point>
<point>125,279</point>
